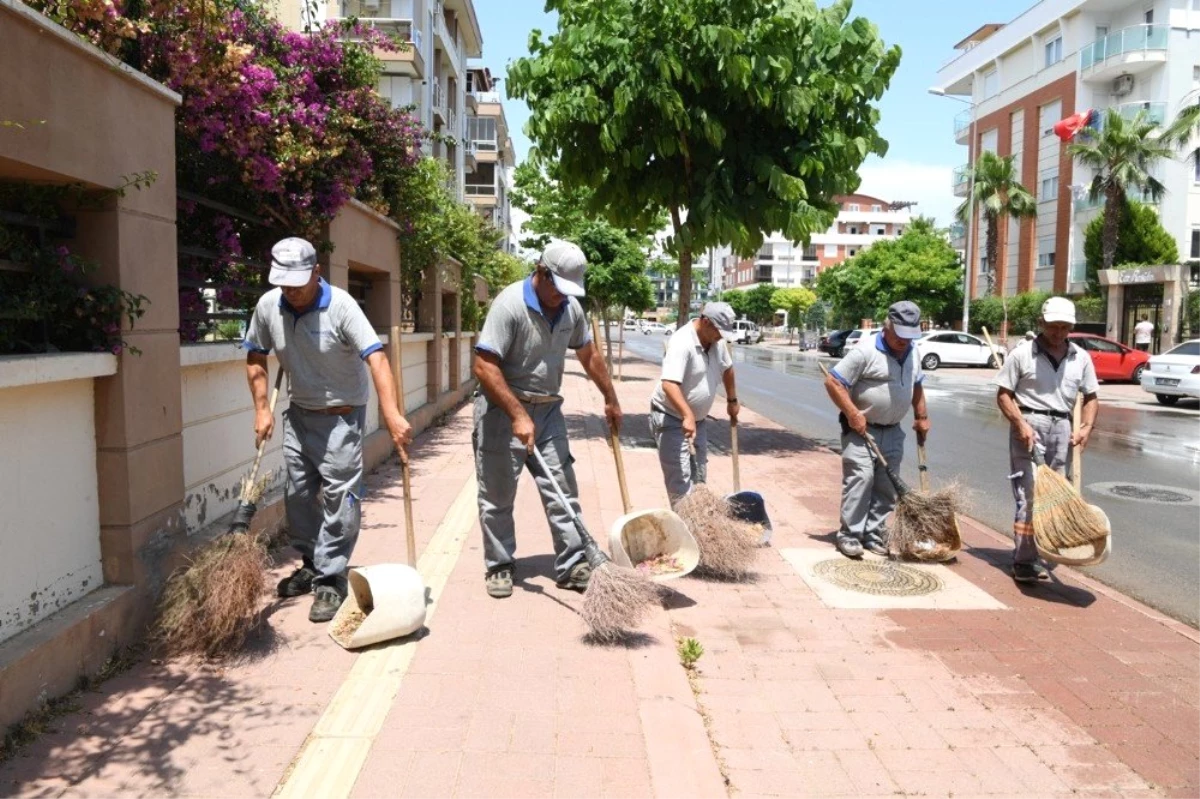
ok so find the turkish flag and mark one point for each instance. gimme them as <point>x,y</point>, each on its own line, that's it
<point>1066,129</point>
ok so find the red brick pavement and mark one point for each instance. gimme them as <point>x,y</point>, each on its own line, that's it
<point>1070,691</point>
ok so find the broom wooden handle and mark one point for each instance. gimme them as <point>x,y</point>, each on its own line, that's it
<point>409,533</point>
<point>615,440</point>
<point>733,440</point>
<point>1076,455</point>
<point>262,447</point>
<point>991,348</point>
<point>922,468</point>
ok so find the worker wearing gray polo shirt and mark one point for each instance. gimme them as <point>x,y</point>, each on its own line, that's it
<point>695,361</point>
<point>873,387</point>
<point>519,362</point>
<point>1036,392</point>
<point>322,340</point>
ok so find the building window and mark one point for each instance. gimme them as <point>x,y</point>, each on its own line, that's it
<point>1054,51</point>
<point>1045,254</point>
<point>1196,164</point>
<point>876,208</point>
<point>850,253</point>
<point>1149,16</point>
<point>880,230</point>
<point>1196,242</point>
<point>853,230</point>
<point>1049,114</point>
<point>852,207</point>
<point>1049,188</point>
<point>900,230</point>
<point>991,84</point>
<point>831,249</point>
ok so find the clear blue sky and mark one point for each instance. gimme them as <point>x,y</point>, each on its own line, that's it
<point>917,125</point>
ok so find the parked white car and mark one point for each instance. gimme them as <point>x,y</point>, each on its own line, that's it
<point>939,347</point>
<point>1174,374</point>
<point>656,327</point>
<point>631,324</point>
<point>744,332</point>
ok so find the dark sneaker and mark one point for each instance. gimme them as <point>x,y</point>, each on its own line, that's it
<point>300,582</point>
<point>325,604</point>
<point>1042,572</point>
<point>875,544</point>
<point>577,578</point>
<point>849,546</point>
<point>499,583</point>
<point>1025,573</point>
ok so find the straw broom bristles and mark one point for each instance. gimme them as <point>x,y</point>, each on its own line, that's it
<point>728,546</point>
<point>1061,518</point>
<point>924,526</point>
<point>209,606</point>
<point>616,600</point>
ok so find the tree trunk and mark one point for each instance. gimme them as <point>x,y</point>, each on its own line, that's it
<point>993,252</point>
<point>1113,203</point>
<point>685,271</point>
<point>607,337</point>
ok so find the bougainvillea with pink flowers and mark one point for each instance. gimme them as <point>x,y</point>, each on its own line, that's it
<point>284,126</point>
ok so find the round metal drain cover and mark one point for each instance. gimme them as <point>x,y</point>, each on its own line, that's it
<point>873,577</point>
<point>1146,492</point>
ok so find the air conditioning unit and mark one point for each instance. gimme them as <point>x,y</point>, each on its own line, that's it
<point>1123,85</point>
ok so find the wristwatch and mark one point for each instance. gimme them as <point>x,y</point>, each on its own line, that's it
<point>920,418</point>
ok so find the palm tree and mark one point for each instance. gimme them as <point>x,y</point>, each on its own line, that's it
<point>999,196</point>
<point>1122,153</point>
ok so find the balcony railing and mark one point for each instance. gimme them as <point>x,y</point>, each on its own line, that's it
<point>1085,203</point>
<point>480,189</point>
<point>451,46</point>
<point>402,29</point>
<point>961,180</point>
<point>1155,113</point>
<point>962,124</point>
<point>485,145</point>
<point>1139,38</point>
<point>1077,272</point>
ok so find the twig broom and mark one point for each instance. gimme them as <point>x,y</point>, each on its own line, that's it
<point>209,605</point>
<point>616,598</point>
<point>1061,517</point>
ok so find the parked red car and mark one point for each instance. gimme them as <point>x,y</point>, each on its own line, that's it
<point>1112,360</point>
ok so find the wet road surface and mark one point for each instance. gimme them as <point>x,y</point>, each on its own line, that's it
<point>1141,466</point>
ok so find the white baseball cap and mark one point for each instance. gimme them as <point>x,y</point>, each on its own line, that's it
<point>1058,309</point>
<point>292,262</point>
<point>567,264</point>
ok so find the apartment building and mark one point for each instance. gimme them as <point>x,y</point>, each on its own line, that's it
<point>1058,58</point>
<point>490,155</point>
<point>862,221</point>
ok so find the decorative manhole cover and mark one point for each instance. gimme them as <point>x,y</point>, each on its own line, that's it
<point>872,577</point>
<point>1146,492</point>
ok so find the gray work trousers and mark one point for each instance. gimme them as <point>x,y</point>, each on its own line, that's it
<point>324,459</point>
<point>499,460</point>
<point>673,455</point>
<point>1054,435</point>
<point>868,496</point>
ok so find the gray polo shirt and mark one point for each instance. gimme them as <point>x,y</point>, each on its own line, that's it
<point>880,384</point>
<point>696,371</point>
<point>1040,384</point>
<point>322,350</point>
<point>532,348</point>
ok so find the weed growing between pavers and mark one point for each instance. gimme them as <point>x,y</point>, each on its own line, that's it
<point>728,546</point>
<point>40,720</point>
<point>689,650</point>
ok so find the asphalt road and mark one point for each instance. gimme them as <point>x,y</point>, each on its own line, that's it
<point>1150,458</point>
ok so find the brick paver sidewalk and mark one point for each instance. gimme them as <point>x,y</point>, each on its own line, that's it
<point>1069,690</point>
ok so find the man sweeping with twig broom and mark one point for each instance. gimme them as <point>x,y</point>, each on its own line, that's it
<point>519,424</point>
<point>1037,390</point>
<point>873,386</point>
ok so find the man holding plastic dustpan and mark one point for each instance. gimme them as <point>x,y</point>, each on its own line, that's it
<point>691,368</point>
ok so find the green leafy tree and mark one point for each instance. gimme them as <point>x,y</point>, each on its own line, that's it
<point>922,224</point>
<point>817,317</point>
<point>736,118</point>
<point>921,267</point>
<point>555,210</point>
<point>616,274</point>
<point>1122,154</point>
<point>796,302</point>
<point>1141,239</point>
<point>760,307</point>
<point>736,299</point>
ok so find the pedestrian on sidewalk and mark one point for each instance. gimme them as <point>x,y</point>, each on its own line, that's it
<point>322,340</point>
<point>1036,392</point>
<point>1143,334</point>
<point>873,386</point>
<point>694,363</point>
<point>519,365</point>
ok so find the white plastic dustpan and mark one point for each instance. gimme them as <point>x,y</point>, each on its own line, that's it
<point>1092,554</point>
<point>641,535</point>
<point>392,595</point>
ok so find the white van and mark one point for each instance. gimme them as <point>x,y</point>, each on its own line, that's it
<point>744,332</point>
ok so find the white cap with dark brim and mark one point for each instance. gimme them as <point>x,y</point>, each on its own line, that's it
<point>292,263</point>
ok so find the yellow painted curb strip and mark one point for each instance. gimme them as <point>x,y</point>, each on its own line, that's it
<point>333,755</point>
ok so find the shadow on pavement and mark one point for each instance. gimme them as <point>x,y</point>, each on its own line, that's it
<point>1053,590</point>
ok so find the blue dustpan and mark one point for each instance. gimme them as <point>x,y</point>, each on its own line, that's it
<point>748,506</point>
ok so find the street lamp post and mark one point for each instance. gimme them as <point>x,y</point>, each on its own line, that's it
<point>966,309</point>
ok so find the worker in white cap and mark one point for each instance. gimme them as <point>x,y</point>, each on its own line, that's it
<point>1036,392</point>
<point>694,363</point>
<point>519,363</point>
<point>327,347</point>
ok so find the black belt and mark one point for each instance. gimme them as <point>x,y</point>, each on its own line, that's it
<point>846,424</point>
<point>1036,412</point>
<point>336,410</point>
